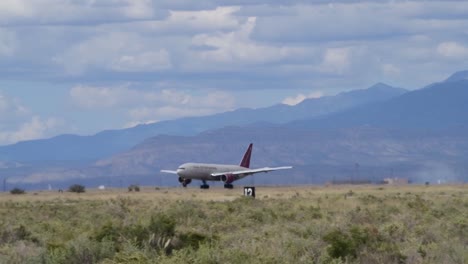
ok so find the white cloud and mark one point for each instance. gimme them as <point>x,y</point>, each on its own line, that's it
<point>215,19</point>
<point>335,60</point>
<point>178,104</point>
<point>136,123</point>
<point>144,62</point>
<point>14,8</point>
<point>256,44</point>
<point>35,12</point>
<point>259,38</point>
<point>390,69</point>
<point>139,9</point>
<point>18,123</point>
<point>149,106</point>
<point>119,51</point>
<point>237,47</point>
<point>452,50</point>
<point>90,97</point>
<point>362,20</point>
<point>11,108</point>
<point>294,100</point>
<point>8,42</point>
<point>35,128</point>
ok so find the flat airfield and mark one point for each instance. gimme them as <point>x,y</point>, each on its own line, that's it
<point>220,194</point>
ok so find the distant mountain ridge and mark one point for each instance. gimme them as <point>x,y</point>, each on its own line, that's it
<point>438,106</point>
<point>107,143</point>
<point>458,76</point>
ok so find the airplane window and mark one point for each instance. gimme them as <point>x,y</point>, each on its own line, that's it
<point>181,168</point>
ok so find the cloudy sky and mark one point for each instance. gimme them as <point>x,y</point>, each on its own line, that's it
<point>82,66</point>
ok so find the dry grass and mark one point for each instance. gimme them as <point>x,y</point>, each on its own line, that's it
<point>295,224</point>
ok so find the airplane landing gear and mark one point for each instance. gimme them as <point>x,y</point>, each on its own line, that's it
<point>204,185</point>
<point>228,186</point>
<point>184,182</point>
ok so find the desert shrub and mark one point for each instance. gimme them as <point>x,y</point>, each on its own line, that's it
<point>133,187</point>
<point>213,254</point>
<point>194,240</point>
<point>365,244</point>
<point>162,224</point>
<point>108,232</point>
<point>157,234</point>
<point>347,244</point>
<point>76,188</point>
<point>132,254</point>
<point>369,198</point>
<point>315,212</point>
<point>80,251</point>
<point>17,191</point>
<point>20,233</point>
<point>373,227</point>
<point>21,252</point>
<point>341,245</point>
<point>137,233</point>
<point>419,203</point>
<point>133,257</point>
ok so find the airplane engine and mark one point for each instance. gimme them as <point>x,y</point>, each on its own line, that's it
<point>228,178</point>
<point>185,181</point>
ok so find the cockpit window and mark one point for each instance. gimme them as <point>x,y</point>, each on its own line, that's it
<point>181,168</point>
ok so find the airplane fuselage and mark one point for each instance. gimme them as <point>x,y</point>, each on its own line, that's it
<point>219,172</point>
<point>203,171</point>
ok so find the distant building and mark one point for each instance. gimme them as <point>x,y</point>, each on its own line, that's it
<point>396,181</point>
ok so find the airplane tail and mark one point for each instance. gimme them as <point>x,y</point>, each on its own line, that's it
<point>246,160</point>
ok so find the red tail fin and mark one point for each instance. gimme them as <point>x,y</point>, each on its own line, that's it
<point>246,160</point>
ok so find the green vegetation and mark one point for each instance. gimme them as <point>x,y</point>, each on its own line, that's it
<point>303,225</point>
<point>77,188</point>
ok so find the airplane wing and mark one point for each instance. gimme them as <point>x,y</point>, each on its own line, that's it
<point>169,171</point>
<point>249,172</point>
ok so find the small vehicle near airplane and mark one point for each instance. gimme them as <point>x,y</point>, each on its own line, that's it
<point>219,172</point>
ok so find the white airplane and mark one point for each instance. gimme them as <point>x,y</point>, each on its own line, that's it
<point>218,172</point>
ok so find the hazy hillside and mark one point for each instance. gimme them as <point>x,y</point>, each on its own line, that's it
<point>317,155</point>
<point>422,135</point>
<point>107,143</point>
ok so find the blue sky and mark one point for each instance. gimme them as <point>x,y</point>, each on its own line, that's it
<point>87,65</point>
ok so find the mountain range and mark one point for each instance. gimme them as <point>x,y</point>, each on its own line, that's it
<point>438,106</point>
<point>106,143</point>
<point>366,134</point>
